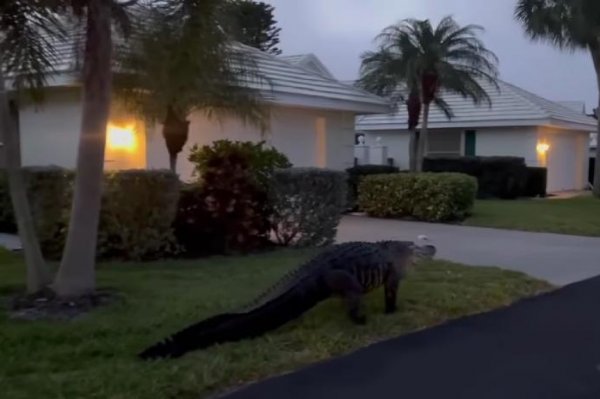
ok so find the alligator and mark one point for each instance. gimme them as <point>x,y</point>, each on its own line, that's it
<point>347,270</point>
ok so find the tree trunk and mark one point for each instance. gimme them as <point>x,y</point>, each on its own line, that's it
<point>38,274</point>
<point>173,162</point>
<point>175,131</point>
<point>413,151</point>
<point>76,275</point>
<point>423,138</point>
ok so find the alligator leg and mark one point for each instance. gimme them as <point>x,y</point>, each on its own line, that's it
<point>391,292</point>
<point>347,286</point>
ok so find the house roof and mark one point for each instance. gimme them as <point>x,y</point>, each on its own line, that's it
<point>511,106</point>
<point>310,62</point>
<point>291,81</point>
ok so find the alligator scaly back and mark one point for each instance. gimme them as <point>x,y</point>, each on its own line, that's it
<point>341,267</point>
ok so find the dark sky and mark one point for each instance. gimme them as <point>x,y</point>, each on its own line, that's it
<point>338,31</point>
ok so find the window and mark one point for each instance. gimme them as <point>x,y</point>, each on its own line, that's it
<point>443,143</point>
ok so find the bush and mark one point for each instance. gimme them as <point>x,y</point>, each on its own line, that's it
<point>307,205</point>
<point>227,210</point>
<point>7,218</point>
<point>50,191</point>
<point>262,161</point>
<point>537,181</point>
<point>498,177</point>
<point>431,197</point>
<point>356,173</point>
<point>138,210</point>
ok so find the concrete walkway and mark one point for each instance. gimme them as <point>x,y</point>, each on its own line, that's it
<point>559,259</point>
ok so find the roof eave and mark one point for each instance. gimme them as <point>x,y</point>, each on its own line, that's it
<point>357,106</point>
<point>365,126</point>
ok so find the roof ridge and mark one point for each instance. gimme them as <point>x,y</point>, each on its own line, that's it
<point>312,73</point>
<point>545,100</point>
<point>522,93</point>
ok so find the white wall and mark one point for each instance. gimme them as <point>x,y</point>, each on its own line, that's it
<point>293,131</point>
<point>50,131</point>
<point>397,143</point>
<point>518,142</point>
<point>567,159</point>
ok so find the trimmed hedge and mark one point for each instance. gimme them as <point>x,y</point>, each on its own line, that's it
<point>307,205</point>
<point>356,173</point>
<point>50,191</point>
<point>138,208</point>
<point>498,177</point>
<point>537,181</point>
<point>7,218</point>
<point>431,197</point>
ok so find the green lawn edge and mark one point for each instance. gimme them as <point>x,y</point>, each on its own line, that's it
<point>94,356</point>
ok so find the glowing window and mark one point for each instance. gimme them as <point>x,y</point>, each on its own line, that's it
<point>121,138</point>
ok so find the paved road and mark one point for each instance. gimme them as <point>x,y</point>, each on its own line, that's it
<point>542,348</point>
<point>559,259</point>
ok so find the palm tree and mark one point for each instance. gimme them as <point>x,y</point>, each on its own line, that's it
<point>568,25</point>
<point>27,31</point>
<point>76,275</point>
<point>181,61</point>
<point>424,62</point>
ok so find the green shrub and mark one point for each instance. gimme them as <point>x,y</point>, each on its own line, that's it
<point>138,210</point>
<point>227,210</point>
<point>307,205</point>
<point>498,177</point>
<point>356,173</point>
<point>7,218</point>
<point>432,197</point>
<point>50,190</point>
<point>537,182</point>
<point>261,161</point>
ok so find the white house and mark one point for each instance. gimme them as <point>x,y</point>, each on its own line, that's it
<point>311,119</point>
<point>518,123</point>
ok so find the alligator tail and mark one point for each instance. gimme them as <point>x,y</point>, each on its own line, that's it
<point>231,327</point>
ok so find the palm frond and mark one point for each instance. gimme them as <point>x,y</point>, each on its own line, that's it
<point>181,58</point>
<point>451,57</point>
<point>443,106</point>
<point>29,33</point>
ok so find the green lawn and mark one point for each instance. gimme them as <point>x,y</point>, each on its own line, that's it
<point>93,357</point>
<point>577,216</point>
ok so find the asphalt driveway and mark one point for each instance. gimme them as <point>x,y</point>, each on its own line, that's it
<point>559,259</point>
<point>542,348</point>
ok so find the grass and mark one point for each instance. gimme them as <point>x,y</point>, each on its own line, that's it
<point>576,216</point>
<point>93,356</point>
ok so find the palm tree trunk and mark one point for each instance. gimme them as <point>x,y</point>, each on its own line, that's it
<point>173,163</point>
<point>175,131</point>
<point>38,274</point>
<point>413,149</point>
<point>423,138</point>
<point>76,275</point>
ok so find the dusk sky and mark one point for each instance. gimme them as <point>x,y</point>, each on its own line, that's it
<point>338,31</point>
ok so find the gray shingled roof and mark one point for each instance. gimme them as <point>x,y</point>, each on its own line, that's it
<point>310,62</point>
<point>511,106</point>
<point>288,84</point>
